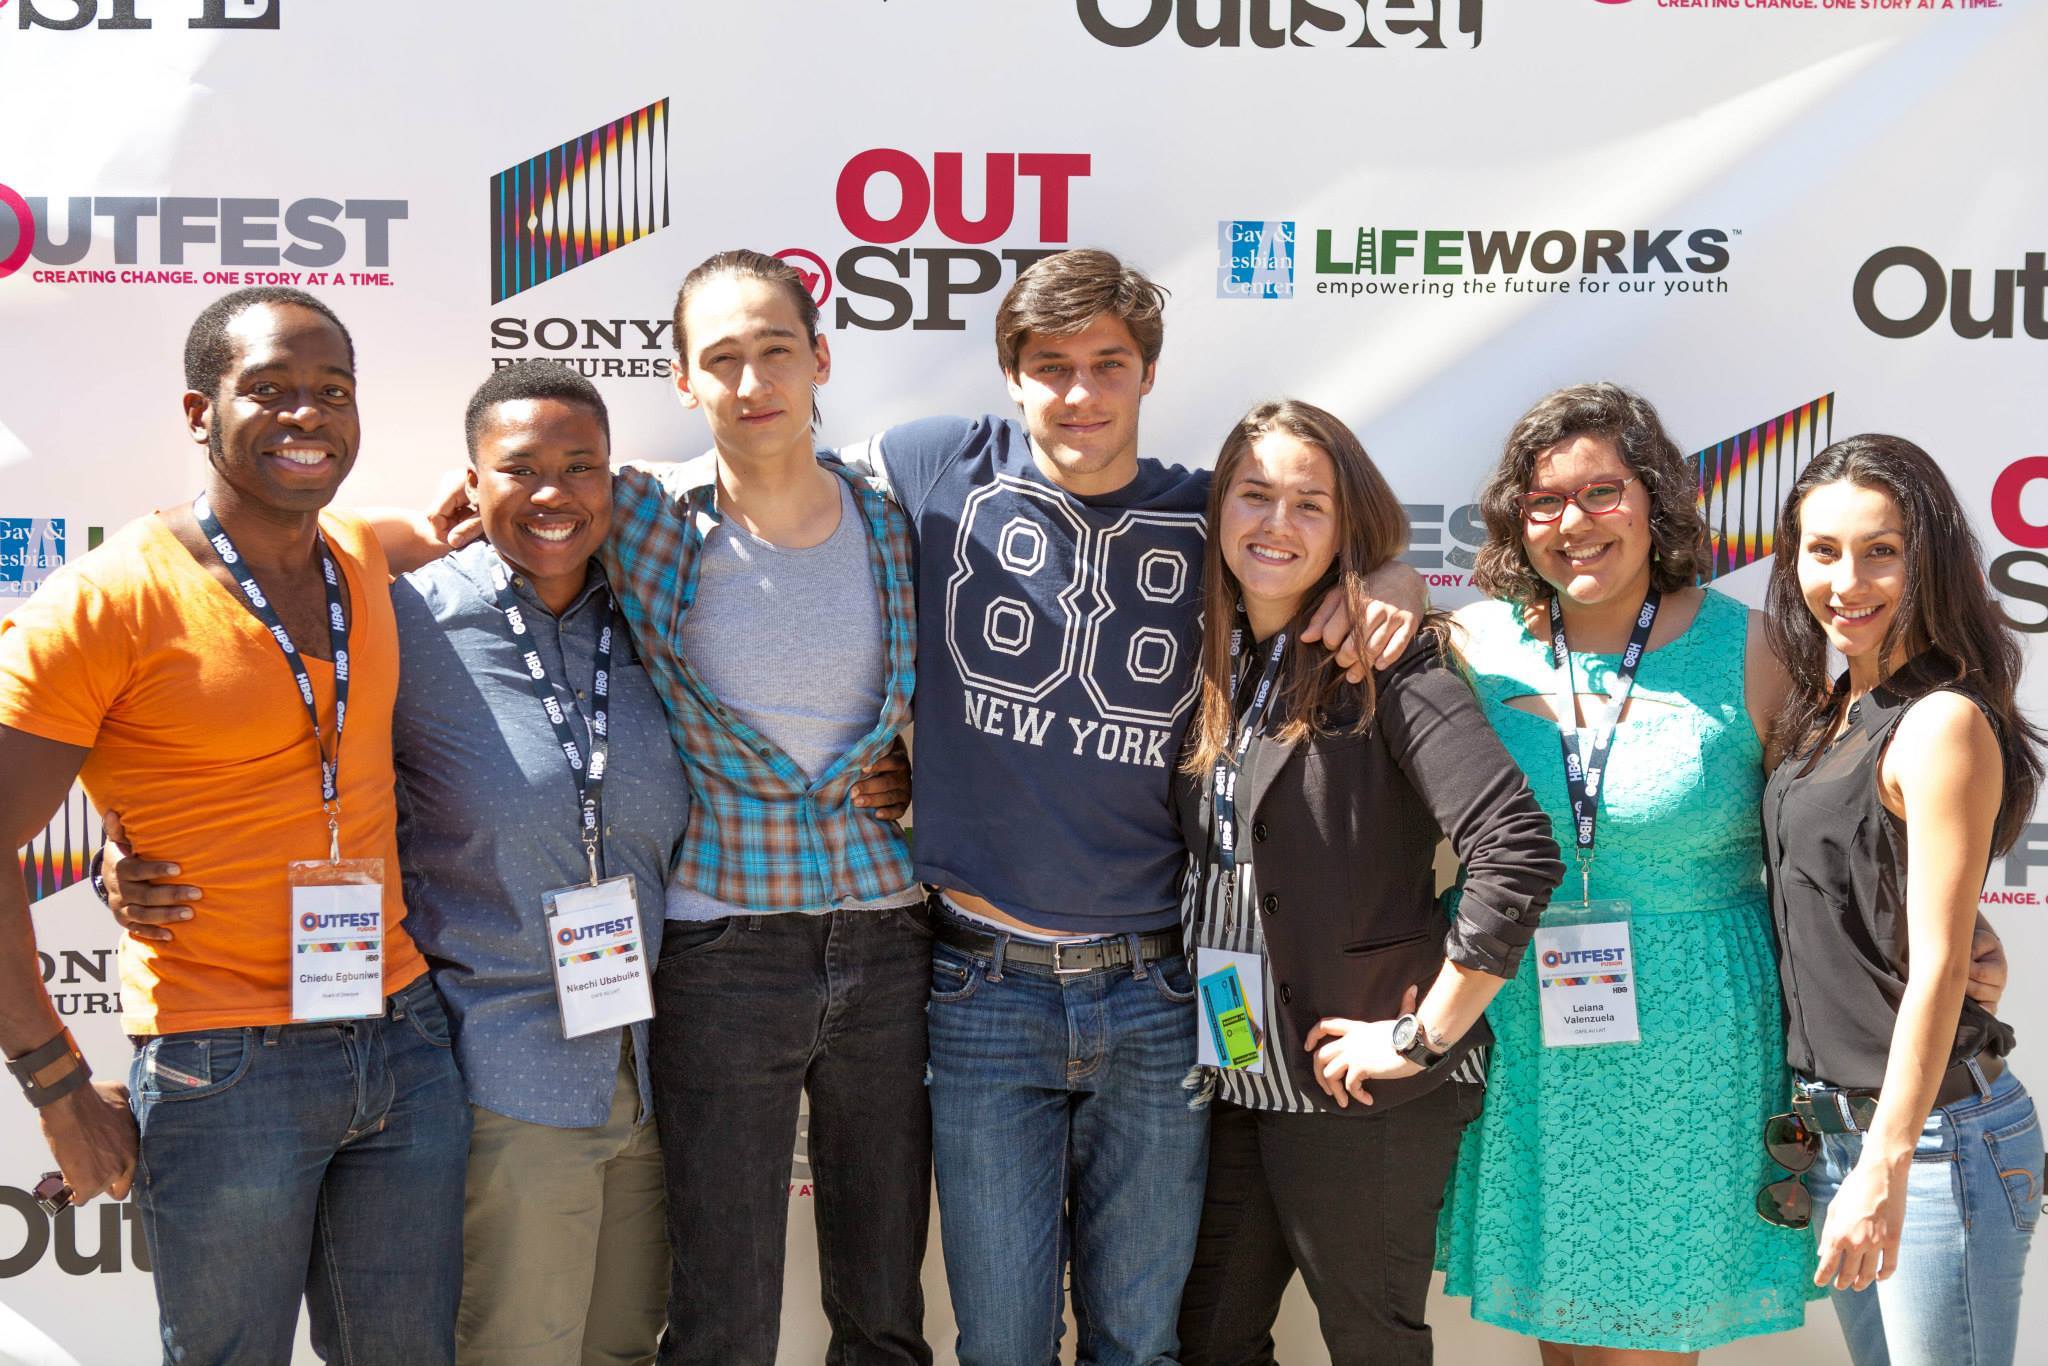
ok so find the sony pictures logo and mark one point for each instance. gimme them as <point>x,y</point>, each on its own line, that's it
<point>1255,258</point>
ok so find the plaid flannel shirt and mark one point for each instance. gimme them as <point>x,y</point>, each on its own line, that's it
<point>761,835</point>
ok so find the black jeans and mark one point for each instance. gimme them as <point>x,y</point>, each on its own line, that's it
<point>1351,1201</point>
<point>751,1013</point>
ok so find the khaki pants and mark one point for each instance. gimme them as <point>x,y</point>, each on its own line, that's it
<point>565,1262</point>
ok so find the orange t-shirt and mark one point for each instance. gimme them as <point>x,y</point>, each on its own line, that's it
<point>200,741</point>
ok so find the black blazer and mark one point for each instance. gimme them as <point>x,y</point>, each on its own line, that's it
<point>1343,831</point>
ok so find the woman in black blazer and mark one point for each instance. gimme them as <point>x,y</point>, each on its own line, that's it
<point>1340,1011</point>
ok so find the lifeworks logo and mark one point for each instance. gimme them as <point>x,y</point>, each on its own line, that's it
<point>571,204</point>
<point>1255,258</point>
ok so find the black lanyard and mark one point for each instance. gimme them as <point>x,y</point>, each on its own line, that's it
<point>589,776</point>
<point>1583,771</point>
<point>337,636</point>
<point>1230,763</point>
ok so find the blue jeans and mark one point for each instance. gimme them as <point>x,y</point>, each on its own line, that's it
<point>323,1160</point>
<point>1061,1126</point>
<point>1972,1199</point>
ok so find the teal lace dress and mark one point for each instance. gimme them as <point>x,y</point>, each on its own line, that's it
<point>1606,1196</point>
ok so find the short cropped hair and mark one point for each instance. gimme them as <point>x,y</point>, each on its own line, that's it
<point>1063,293</point>
<point>208,350</point>
<point>528,380</point>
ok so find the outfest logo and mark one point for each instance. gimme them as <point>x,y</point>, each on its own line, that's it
<point>198,240</point>
<point>1397,24</point>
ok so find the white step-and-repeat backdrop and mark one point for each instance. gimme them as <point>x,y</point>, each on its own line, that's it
<point>1781,219</point>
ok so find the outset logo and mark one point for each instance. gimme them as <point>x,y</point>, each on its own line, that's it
<point>1398,24</point>
<point>188,240</point>
<point>1904,292</point>
<point>119,15</point>
<point>812,270</point>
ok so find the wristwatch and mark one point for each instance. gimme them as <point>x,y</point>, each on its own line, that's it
<point>1411,1041</point>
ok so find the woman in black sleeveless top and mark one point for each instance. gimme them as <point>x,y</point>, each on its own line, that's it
<point>1902,778</point>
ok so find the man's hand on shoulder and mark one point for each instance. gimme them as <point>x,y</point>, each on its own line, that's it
<point>411,539</point>
<point>1396,603</point>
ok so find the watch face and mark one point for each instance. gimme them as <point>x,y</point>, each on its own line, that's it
<point>1405,1030</point>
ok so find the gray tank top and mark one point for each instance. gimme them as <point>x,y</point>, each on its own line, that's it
<point>791,641</point>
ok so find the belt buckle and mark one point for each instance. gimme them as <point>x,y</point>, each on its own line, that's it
<point>1059,969</point>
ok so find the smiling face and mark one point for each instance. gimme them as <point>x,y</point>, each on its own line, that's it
<point>1278,525</point>
<point>1852,564</point>
<point>542,483</point>
<point>1590,559</point>
<point>282,428</point>
<point>1080,395</point>
<point>750,366</point>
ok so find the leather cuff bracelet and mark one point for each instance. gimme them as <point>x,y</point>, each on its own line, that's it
<point>44,1074</point>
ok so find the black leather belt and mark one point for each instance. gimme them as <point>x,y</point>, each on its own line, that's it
<point>1061,957</point>
<point>1847,1110</point>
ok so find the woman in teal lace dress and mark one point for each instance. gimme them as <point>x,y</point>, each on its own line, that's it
<point>1605,1198</point>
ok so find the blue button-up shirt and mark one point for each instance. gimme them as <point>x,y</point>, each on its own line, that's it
<point>488,820</point>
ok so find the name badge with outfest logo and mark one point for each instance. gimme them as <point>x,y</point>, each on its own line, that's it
<point>1585,974</point>
<point>337,938</point>
<point>599,956</point>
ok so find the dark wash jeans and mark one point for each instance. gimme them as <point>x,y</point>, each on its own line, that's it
<point>1062,1130</point>
<point>1351,1201</point>
<point>315,1160</point>
<point>750,1013</point>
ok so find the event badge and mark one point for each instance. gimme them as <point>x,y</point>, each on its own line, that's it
<point>1231,988</point>
<point>337,920</point>
<point>1586,974</point>
<point>599,955</point>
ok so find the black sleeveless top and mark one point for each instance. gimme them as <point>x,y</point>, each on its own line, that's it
<point>1837,865</point>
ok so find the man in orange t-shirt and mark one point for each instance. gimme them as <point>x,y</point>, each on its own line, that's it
<point>222,676</point>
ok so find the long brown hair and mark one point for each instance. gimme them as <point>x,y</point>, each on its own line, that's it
<point>1946,611</point>
<point>1678,531</point>
<point>1371,529</point>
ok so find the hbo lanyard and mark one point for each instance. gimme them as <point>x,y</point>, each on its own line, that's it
<point>1583,771</point>
<point>589,776</point>
<point>337,634</point>
<point>1230,763</point>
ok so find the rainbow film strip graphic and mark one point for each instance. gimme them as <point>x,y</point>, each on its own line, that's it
<point>340,946</point>
<point>1602,978</point>
<point>573,203</point>
<point>1744,480</point>
<point>58,858</point>
<point>630,946</point>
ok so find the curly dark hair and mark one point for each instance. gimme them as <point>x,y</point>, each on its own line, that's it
<point>1678,531</point>
<point>209,351</point>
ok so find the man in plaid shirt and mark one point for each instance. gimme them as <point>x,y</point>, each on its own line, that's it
<point>770,592</point>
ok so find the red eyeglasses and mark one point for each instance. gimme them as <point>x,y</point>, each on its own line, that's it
<point>1596,499</point>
